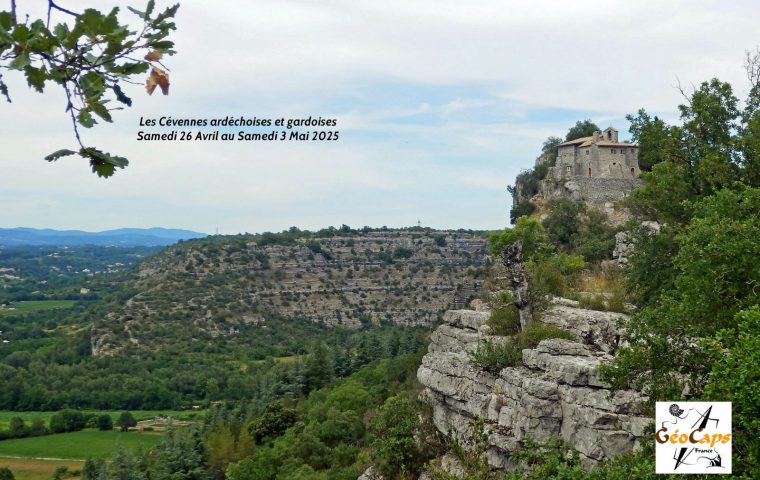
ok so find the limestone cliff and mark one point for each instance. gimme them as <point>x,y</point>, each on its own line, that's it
<point>227,286</point>
<point>556,392</point>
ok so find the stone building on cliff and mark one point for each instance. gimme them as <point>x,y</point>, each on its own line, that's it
<point>598,156</point>
<point>598,170</point>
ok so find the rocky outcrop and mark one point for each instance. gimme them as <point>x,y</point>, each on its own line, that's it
<point>511,258</point>
<point>556,392</point>
<point>624,242</point>
<point>595,192</point>
<point>599,330</point>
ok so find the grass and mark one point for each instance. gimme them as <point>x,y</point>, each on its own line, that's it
<point>31,469</point>
<point>6,416</point>
<point>286,359</point>
<point>600,280</point>
<point>87,443</point>
<point>537,331</point>
<point>35,305</point>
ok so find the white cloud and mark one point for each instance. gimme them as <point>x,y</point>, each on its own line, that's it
<point>444,98</point>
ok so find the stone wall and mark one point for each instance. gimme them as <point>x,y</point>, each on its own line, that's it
<point>556,392</point>
<point>604,162</point>
<point>597,192</point>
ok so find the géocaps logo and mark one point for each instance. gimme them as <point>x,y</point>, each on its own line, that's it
<point>693,437</point>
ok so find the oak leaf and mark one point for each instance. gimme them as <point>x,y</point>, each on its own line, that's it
<point>154,55</point>
<point>158,78</point>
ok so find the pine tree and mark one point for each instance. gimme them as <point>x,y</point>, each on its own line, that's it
<point>94,470</point>
<point>318,368</point>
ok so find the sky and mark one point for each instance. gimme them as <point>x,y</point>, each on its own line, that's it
<point>439,104</point>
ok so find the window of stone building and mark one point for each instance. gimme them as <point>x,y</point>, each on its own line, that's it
<point>633,172</point>
<point>622,150</point>
<point>589,171</point>
<point>586,152</point>
<point>613,150</point>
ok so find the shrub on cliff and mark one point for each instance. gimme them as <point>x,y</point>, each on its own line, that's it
<point>537,331</point>
<point>494,356</point>
<point>524,208</point>
<point>504,319</point>
<point>529,231</point>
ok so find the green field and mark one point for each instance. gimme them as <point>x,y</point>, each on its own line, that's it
<point>87,443</point>
<point>35,305</point>
<point>30,469</point>
<point>6,416</point>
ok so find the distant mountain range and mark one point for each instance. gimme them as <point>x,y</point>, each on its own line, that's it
<point>125,237</point>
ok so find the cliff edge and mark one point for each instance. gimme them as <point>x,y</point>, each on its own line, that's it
<point>556,392</point>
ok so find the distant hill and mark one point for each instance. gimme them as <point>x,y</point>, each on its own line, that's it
<point>124,237</point>
<point>229,286</point>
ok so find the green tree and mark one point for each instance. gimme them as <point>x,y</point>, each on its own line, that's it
<point>713,276</point>
<point>551,147</point>
<point>105,422</point>
<point>272,422</point>
<point>735,376</point>
<point>17,428</point>
<point>181,455</point>
<point>395,449</point>
<point>67,420</point>
<point>582,128</point>
<point>94,470</point>
<point>524,208</point>
<point>563,221</point>
<point>37,428</point>
<point>696,278</point>
<point>530,231</point>
<point>551,460</point>
<point>713,149</point>
<point>262,465</point>
<point>595,238</point>
<point>654,138</point>
<point>125,421</point>
<point>90,55</point>
<point>318,367</point>
<point>6,474</point>
<point>221,447</point>
<point>124,465</point>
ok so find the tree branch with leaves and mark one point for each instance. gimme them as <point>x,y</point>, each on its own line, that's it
<point>90,56</point>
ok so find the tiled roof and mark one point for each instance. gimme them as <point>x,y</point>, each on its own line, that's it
<point>576,141</point>
<point>607,144</point>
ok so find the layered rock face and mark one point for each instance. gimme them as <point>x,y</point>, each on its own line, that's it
<point>224,286</point>
<point>555,393</point>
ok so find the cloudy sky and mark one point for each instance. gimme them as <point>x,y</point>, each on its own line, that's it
<point>439,105</point>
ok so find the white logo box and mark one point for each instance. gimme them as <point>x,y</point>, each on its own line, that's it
<point>693,437</point>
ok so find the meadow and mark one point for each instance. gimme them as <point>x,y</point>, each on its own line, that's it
<point>88,443</point>
<point>6,416</point>
<point>31,469</point>
<point>35,305</point>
